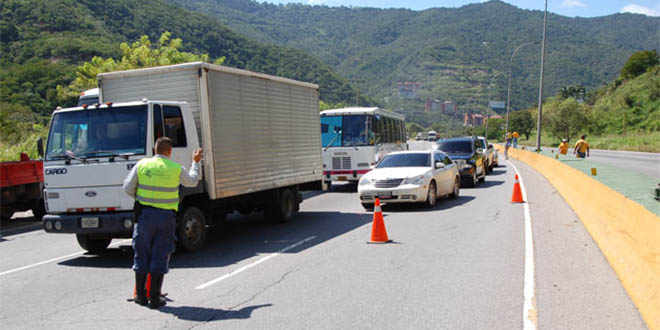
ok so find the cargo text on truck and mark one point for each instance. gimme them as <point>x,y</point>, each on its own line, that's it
<point>259,134</point>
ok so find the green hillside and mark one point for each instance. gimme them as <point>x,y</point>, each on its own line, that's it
<point>43,41</point>
<point>459,54</point>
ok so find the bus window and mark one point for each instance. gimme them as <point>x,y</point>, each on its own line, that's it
<point>331,131</point>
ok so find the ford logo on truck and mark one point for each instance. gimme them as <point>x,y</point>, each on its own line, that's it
<point>53,171</point>
<point>90,193</point>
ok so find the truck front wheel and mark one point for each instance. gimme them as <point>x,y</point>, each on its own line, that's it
<point>191,229</point>
<point>93,245</point>
<point>283,208</point>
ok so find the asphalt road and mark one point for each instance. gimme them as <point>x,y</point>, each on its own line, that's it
<point>457,266</point>
<point>647,163</point>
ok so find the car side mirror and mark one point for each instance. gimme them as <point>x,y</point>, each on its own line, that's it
<point>439,165</point>
<point>40,147</point>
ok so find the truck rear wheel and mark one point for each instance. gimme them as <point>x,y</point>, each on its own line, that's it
<point>283,208</point>
<point>39,210</point>
<point>93,245</point>
<point>191,229</point>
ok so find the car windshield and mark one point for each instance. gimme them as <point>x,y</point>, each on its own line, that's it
<point>406,160</point>
<point>456,146</point>
<point>98,133</point>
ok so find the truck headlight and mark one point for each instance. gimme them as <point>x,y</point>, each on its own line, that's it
<point>416,180</point>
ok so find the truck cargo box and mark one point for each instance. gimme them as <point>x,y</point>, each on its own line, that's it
<point>258,132</point>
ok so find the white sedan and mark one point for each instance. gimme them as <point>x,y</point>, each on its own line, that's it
<point>410,176</point>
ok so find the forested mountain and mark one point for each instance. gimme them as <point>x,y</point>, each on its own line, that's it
<point>43,41</point>
<point>460,54</point>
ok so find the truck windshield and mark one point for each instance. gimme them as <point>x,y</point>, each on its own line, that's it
<point>98,133</point>
<point>347,131</point>
<point>406,160</point>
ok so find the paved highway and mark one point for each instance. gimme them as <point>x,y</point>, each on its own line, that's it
<point>460,265</point>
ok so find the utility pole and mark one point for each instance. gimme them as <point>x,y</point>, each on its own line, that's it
<point>540,114</point>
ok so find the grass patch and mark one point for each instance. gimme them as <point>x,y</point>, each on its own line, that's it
<point>641,141</point>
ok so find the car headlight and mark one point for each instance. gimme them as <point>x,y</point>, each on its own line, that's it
<point>364,181</point>
<point>414,180</point>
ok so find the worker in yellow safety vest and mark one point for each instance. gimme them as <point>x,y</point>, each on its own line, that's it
<point>154,183</point>
<point>563,147</point>
<point>581,147</point>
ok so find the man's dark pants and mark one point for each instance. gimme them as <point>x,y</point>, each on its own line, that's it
<point>153,240</point>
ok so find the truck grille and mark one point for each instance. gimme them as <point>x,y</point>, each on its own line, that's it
<point>341,163</point>
<point>388,183</point>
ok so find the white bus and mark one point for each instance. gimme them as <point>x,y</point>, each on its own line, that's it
<point>355,139</point>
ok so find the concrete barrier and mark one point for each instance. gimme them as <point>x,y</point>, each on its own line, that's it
<point>627,233</point>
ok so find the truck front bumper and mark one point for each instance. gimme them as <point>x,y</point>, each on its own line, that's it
<point>119,224</point>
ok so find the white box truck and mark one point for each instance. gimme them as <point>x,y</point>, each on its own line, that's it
<point>260,135</point>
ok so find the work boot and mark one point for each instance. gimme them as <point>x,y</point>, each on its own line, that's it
<point>140,289</point>
<point>155,299</point>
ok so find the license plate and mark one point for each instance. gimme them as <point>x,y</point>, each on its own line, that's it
<point>342,178</point>
<point>92,222</point>
<point>384,194</point>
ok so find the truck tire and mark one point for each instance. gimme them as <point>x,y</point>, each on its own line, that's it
<point>283,208</point>
<point>39,210</point>
<point>93,245</point>
<point>191,229</point>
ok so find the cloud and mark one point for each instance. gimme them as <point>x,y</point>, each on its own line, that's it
<point>637,9</point>
<point>573,3</point>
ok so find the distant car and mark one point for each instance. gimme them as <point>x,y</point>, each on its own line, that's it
<point>419,136</point>
<point>489,152</point>
<point>469,158</point>
<point>410,176</point>
<point>432,136</point>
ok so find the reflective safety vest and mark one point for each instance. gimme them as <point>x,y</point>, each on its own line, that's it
<point>158,183</point>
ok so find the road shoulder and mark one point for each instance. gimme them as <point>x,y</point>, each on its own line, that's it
<point>575,286</point>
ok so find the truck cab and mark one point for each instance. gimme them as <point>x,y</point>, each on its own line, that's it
<point>90,151</point>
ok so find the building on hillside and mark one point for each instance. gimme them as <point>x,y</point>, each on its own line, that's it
<point>449,107</point>
<point>497,106</point>
<point>476,119</point>
<point>408,89</point>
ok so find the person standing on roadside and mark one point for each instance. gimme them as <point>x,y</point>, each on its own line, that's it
<point>563,147</point>
<point>515,137</point>
<point>581,147</point>
<point>154,183</point>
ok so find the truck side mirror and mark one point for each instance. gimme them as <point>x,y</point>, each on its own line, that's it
<point>439,165</point>
<point>40,147</point>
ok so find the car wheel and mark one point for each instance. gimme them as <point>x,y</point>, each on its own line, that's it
<point>483,177</point>
<point>472,181</point>
<point>432,195</point>
<point>457,188</point>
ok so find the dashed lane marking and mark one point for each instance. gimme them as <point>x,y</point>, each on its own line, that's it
<point>530,313</point>
<point>246,267</point>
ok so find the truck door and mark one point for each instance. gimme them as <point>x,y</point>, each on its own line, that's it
<point>169,121</point>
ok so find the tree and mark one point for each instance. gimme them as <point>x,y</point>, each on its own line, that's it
<point>140,54</point>
<point>521,122</point>
<point>638,63</point>
<point>566,118</point>
<point>577,92</point>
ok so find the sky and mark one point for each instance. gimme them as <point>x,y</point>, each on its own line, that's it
<point>572,8</point>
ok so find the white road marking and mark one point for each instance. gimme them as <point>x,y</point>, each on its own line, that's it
<point>7,272</point>
<point>246,267</point>
<point>530,313</point>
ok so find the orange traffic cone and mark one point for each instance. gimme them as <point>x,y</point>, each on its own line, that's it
<point>517,193</point>
<point>147,284</point>
<point>378,232</point>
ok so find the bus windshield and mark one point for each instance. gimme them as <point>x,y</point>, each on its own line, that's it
<point>98,133</point>
<point>347,131</point>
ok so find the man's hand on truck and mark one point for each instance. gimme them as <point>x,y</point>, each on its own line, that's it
<point>197,155</point>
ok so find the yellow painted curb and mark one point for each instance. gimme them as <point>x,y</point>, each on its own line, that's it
<point>627,233</point>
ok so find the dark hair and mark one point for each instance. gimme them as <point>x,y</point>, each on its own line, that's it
<point>163,145</point>
<point>583,137</point>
